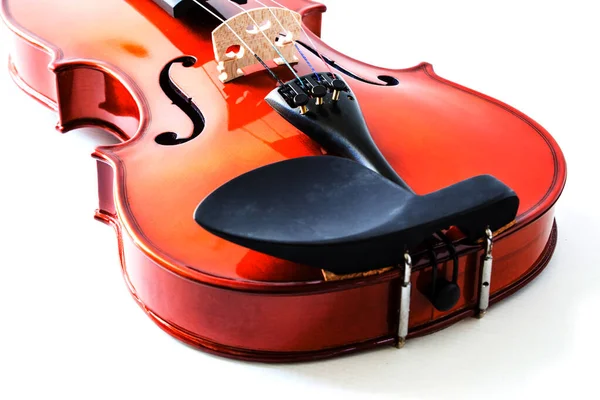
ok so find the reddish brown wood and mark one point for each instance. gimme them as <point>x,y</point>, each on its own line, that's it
<point>101,69</point>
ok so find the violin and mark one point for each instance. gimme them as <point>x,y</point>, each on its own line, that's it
<point>273,198</point>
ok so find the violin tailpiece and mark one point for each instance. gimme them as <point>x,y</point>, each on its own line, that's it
<point>232,56</point>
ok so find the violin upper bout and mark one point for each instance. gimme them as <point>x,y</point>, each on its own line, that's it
<point>84,93</point>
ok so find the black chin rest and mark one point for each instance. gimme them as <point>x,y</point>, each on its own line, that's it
<point>336,214</point>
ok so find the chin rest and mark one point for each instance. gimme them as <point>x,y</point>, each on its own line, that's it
<point>335,214</point>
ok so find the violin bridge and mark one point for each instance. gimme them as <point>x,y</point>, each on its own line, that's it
<point>232,54</point>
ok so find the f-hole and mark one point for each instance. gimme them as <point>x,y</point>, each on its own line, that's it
<point>384,80</point>
<point>179,99</point>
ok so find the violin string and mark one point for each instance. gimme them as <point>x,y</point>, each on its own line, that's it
<point>308,37</point>
<point>269,40</point>
<point>294,40</point>
<point>279,81</point>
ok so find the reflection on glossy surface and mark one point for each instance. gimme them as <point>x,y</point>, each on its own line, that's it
<point>135,49</point>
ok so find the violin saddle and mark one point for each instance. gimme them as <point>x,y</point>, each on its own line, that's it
<point>336,214</point>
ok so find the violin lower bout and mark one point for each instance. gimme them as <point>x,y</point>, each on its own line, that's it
<point>320,319</point>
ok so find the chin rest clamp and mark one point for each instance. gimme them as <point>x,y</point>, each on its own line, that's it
<point>405,287</point>
<point>486,275</point>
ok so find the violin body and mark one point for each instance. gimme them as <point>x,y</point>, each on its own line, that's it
<point>131,68</point>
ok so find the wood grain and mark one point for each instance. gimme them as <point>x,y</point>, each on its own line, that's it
<point>226,42</point>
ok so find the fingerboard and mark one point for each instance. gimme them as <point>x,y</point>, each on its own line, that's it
<point>179,8</point>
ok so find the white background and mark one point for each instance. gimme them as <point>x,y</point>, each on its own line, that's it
<point>70,330</point>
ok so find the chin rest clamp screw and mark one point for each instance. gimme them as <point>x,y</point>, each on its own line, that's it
<point>486,276</point>
<point>404,302</point>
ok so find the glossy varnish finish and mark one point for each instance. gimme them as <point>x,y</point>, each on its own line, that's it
<point>97,63</point>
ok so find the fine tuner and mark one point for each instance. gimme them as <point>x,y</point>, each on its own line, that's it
<point>319,87</point>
